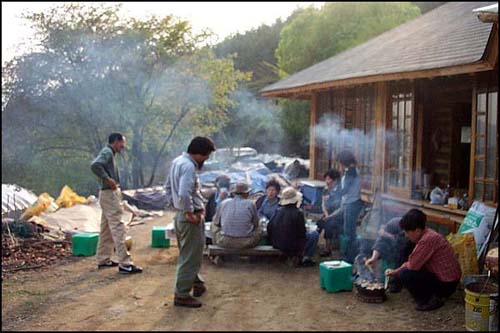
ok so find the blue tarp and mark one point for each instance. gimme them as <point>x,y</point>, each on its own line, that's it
<point>312,197</point>
<point>312,194</point>
<point>258,177</point>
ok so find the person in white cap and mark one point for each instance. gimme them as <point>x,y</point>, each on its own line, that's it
<point>287,230</point>
<point>236,222</point>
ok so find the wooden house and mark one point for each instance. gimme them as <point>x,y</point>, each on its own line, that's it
<point>417,104</point>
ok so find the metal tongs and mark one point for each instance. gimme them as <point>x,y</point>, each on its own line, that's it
<point>386,280</point>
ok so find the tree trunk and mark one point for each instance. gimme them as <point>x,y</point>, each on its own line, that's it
<point>184,112</point>
<point>137,160</point>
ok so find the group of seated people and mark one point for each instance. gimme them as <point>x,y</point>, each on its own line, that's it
<point>235,224</point>
<point>236,219</point>
<point>422,260</point>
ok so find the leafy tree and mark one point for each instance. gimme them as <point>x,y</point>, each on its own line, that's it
<point>317,34</point>
<point>95,73</point>
<point>253,121</point>
<point>428,6</point>
<point>253,52</point>
<point>314,35</point>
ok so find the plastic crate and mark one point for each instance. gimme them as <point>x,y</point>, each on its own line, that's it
<point>158,237</point>
<point>85,244</point>
<point>335,276</point>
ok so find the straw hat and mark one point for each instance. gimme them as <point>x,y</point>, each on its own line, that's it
<point>240,188</point>
<point>290,196</point>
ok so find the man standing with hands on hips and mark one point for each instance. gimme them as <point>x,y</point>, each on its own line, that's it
<point>113,229</point>
<point>183,195</point>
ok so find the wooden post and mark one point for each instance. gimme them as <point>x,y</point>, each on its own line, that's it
<point>420,136</point>
<point>380,125</point>
<point>312,139</point>
<point>472,170</point>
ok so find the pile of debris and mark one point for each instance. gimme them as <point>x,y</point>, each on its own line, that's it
<point>24,247</point>
<point>37,231</point>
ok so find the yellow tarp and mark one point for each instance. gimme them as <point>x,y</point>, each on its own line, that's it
<point>43,202</point>
<point>68,198</point>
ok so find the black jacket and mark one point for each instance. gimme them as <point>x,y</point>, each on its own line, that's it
<point>287,230</point>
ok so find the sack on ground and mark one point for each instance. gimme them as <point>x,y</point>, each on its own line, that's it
<point>479,221</point>
<point>464,247</point>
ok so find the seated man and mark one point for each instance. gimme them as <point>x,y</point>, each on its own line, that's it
<point>269,204</point>
<point>332,220</point>
<point>392,246</point>
<point>236,223</point>
<point>222,183</point>
<point>287,230</point>
<point>432,271</point>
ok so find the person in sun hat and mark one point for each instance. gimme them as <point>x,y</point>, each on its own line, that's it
<point>287,229</point>
<point>236,222</point>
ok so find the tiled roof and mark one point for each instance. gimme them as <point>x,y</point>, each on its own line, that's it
<point>449,35</point>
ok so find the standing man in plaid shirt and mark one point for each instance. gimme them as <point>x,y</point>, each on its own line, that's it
<point>432,271</point>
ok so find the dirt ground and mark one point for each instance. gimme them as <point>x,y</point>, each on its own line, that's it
<point>242,295</point>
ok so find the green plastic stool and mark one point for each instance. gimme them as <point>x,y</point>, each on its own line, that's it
<point>84,244</point>
<point>335,278</point>
<point>158,237</point>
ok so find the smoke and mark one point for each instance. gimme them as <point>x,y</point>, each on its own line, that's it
<point>66,101</point>
<point>330,134</point>
<point>254,122</point>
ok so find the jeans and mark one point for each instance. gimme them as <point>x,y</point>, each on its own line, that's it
<point>333,227</point>
<point>423,284</point>
<point>311,243</point>
<point>351,213</point>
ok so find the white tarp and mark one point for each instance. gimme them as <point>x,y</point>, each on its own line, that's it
<point>78,218</point>
<point>16,198</point>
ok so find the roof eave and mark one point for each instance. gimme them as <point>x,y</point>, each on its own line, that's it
<point>488,17</point>
<point>308,89</point>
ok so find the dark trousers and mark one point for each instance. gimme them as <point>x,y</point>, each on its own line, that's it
<point>423,284</point>
<point>311,243</point>
<point>351,213</point>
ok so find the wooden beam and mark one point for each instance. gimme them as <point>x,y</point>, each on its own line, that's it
<point>488,17</point>
<point>380,126</point>
<point>473,144</point>
<point>446,71</point>
<point>420,138</point>
<point>491,53</point>
<point>312,138</point>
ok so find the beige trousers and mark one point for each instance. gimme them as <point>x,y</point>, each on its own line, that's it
<point>113,229</point>
<point>239,243</point>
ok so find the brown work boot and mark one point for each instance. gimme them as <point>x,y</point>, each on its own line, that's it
<point>188,301</point>
<point>199,289</point>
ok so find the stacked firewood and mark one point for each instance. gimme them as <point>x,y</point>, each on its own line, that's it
<point>31,253</point>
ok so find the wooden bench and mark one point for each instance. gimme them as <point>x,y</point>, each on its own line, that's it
<point>260,250</point>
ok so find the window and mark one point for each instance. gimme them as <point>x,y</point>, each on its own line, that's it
<point>365,147</point>
<point>485,179</point>
<point>399,141</point>
<point>346,121</point>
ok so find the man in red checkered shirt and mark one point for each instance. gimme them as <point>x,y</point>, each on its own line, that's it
<point>432,271</point>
